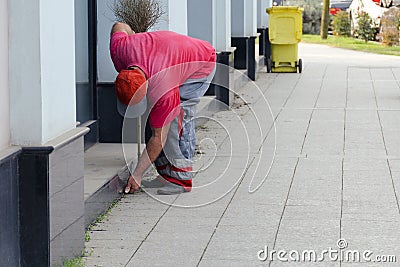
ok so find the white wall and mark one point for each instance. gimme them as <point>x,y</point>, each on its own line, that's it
<point>238,18</point>
<point>222,18</point>
<point>262,16</point>
<point>42,70</point>
<point>200,20</point>
<point>105,20</point>
<point>58,67</point>
<point>81,41</point>
<point>175,18</point>
<point>251,18</point>
<point>4,89</point>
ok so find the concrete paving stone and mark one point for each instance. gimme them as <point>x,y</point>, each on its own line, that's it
<point>332,100</point>
<point>146,217</point>
<point>392,142</point>
<point>324,145</point>
<point>132,210</point>
<point>232,263</point>
<point>285,145</point>
<point>394,165</point>
<point>396,182</point>
<point>172,223</point>
<point>295,115</point>
<point>388,100</point>
<point>261,111</point>
<point>363,127</point>
<point>365,139</point>
<point>364,164</point>
<point>357,74</point>
<point>127,243</point>
<point>261,216</point>
<point>320,151</point>
<point>115,231</point>
<point>396,73</point>
<point>325,263</point>
<point>186,236</point>
<point>390,120</point>
<point>363,135</point>
<point>369,193</point>
<point>231,250</point>
<point>313,199</point>
<point>167,253</point>
<point>373,178</point>
<point>279,174</point>
<point>252,235</point>
<point>301,102</point>
<point>213,210</point>
<point>274,193</point>
<point>382,74</point>
<point>307,234</point>
<point>331,166</point>
<point>138,226</point>
<point>326,191</point>
<point>306,213</point>
<point>328,115</point>
<point>101,262</point>
<point>282,81</point>
<point>200,197</point>
<point>314,71</point>
<point>360,101</point>
<point>333,131</point>
<point>269,182</point>
<point>365,211</point>
<point>142,200</point>
<point>335,73</point>
<point>362,116</point>
<point>366,153</point>
<point>380,237</point>
<point>366,264</point>
<point>312,215</point>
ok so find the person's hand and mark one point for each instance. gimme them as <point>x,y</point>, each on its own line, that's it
<point>133,184</point>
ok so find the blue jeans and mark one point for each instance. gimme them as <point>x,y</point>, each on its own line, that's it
<point>175,161</point>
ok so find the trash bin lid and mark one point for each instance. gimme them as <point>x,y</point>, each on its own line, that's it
<point>284,9</point>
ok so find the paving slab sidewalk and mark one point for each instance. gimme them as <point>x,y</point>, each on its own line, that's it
<point>325,164</point>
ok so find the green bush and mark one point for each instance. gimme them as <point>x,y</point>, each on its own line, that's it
<point>341,24</point>
<point>364,29</point>
<point>390,26</point>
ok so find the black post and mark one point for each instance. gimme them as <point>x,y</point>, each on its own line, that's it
<point>267,53</point>
<point>221,78</point>
<point>34,206</point>
<point>261,44</point>
<point>251,58</point>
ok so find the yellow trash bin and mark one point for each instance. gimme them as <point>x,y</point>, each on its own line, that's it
<point>285,31</point>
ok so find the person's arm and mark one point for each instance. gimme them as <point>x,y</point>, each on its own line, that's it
<point>121,27</point>
<point>149,155</point>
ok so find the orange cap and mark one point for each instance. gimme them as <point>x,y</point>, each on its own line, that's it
<point>130,86</point>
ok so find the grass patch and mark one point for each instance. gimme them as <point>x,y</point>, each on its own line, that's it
<point>353,44</point>
<point>78,261</point>
<point>101,218</point>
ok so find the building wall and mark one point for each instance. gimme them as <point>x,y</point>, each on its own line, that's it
<point>175,16</point>
<point>105,20</point>
<point>58,67</point>
<point>238,18</point>
<point>42,70</point>
<point>4,88</point>
<point>200,20</point>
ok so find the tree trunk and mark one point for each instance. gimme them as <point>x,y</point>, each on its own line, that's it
<point>325,19</point>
